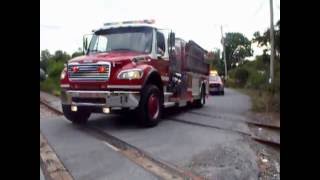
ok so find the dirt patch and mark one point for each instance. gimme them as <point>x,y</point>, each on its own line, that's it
<point>265,118</point>
<point>45,112</point>
<point>226,162</point>
<point>268,160</point>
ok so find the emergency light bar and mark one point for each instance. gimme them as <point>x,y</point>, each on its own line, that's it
<point>213,72</point>
<point>131,22</point>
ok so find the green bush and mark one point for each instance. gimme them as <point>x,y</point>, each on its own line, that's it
<point>254,75</point>
<point>257,80</point>
<point>230,83</point>
<point>55,69</point>
<point>241,76</point>
<point>231,73</point>
<point>52,83</point>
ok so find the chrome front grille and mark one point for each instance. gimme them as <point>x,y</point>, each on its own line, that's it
<point>89,72</point>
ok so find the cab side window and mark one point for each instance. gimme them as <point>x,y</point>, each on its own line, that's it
<point>161,47</point>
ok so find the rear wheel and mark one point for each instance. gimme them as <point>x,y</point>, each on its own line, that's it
<point>150,107</point>
<point>81,116</point>
<point>202,101</point>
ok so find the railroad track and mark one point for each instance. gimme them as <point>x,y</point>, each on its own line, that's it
<point>154,165</point>
<point>262,132</point>
<point>259,130</point>
<point>237,120</point>
<point>254,136</point>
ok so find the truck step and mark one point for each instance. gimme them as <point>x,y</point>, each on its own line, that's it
<point>182,103</point>
<point>169,104</point>
<point>168,94</point>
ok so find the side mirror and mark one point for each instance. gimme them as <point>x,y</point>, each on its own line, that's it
<point>172,40</point>
<point>85,45</point>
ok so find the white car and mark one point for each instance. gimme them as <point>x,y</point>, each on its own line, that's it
<point>216,85</point>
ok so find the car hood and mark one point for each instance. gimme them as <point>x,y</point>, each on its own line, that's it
<point>215,82</point>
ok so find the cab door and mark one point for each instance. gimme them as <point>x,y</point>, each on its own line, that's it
<point>161,63</point>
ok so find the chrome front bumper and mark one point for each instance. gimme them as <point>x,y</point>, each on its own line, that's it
<point>113,99</point>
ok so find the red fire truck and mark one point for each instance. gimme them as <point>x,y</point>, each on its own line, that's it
<point>134,65</point>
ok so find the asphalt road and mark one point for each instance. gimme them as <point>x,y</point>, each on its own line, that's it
<point>211,152</point>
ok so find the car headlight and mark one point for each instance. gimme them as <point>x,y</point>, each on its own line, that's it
<point>63,73</point>
<point>131,74</point>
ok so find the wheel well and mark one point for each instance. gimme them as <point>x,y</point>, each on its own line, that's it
<point>203,85</point>
<point>155,79</point>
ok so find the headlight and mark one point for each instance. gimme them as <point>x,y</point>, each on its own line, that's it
<point>63,73</point>
<point>131,74</point>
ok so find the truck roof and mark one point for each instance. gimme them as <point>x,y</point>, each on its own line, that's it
<point>126,25</point>
<point>137,23</point>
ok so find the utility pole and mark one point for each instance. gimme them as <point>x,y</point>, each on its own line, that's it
<point>272,43</point>
<point>224,56</point>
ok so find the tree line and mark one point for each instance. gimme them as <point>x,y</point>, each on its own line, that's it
<point>238,47</point>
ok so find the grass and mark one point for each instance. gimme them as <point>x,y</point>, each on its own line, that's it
<point>51,86</point>
<point>263,101</point>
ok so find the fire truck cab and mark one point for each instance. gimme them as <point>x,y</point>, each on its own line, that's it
<point>135,66</point>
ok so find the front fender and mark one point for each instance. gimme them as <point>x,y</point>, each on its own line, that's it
<point>152,76</point>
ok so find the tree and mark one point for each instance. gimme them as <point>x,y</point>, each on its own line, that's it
<point>216,63</point>
<point>77,53</point>
<point>264,39</point>
<point>45,55</point>
<point>44,59</point>
<point>237,47</point>
<point>61,56</point>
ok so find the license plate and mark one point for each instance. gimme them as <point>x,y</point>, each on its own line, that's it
<point>213,89</point>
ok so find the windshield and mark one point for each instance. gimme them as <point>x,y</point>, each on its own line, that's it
<point>122,39</point>
<point>214,78</point>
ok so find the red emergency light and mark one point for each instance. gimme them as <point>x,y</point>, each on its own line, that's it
<point>101,69</point>
<point>75,69</point>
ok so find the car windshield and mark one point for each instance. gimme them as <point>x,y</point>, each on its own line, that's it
<point>137,39</point>
<point>214,78</point>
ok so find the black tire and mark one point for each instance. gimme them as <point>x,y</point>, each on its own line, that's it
<point>145,114</point>
<point>202,101</point>
<point>79,117</point>
<point>222,92</point>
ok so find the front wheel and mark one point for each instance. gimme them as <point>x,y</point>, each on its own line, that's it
<point>150,107</point>
<point>81,116</point>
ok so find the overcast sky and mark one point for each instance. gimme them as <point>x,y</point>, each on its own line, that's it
<point>64,22</point>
